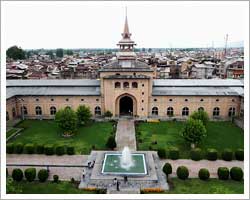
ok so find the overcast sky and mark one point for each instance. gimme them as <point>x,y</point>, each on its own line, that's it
<point>34,25</point>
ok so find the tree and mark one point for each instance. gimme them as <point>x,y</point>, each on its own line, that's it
<point>50,53</point>
<point>69,52</point>
<point>83,114</point>
<point>194,131</point>
<point>167,169</point>
<point>67,121</point>
<point>111,143</point>
<point>59,53</point>
<point>108,114</point>
<point>15,53</point>
<point>201,115</point>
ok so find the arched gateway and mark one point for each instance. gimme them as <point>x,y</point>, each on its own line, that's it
<point>126,105</point>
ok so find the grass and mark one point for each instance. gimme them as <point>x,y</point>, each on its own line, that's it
<point>47,132</point>
<point>211,186</point>
<point>11,131</point>
<point>220,135</point>
<point>63,187</point>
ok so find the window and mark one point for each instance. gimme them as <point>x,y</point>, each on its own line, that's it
<point>142,85</point>
<point>142,109</point>
<point>154,111</point>
<point>186,99</point>
<point>97,110</point>
<point>67,99</point>
<point>117,74</point>
<point>134,85</point>
<point>170,99</point>
<point>52,110</point>
<point>202,100</point>
<point>51,99</point>
<point>37,99</point>
<point>24,110</point>
<point>233,100</point>
<point>117,85</point>
<point>217,100</point>
<point>216,111</point>
<point>155,99</point>
<point>126,85</point>
<point>13,112</point>
<point>142,93</point>
<point>97,99</point>
<point>185,111</point>
<point>38,110</point>
<point>170,111</point>
<point>134,74</point>
<point>7,116</point>
<point>200,109</point>
<point>231,112</point>
<point>82,99</point>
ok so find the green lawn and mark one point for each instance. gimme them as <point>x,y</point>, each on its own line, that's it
<point>47,132</point>
<point>63,187</point>
<point>212,186</point>
<point>220,135</point>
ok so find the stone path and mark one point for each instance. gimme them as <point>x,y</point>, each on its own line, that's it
<point>195,166</point>
<point>125,134</point>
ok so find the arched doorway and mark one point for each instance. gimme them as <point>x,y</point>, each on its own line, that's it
<point>126,106</point>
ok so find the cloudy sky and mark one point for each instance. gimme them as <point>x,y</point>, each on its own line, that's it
<point>99,24</point>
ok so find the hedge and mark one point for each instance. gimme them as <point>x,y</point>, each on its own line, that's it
<point>10,148</point>
<point>55,178</point>
<point>60,150</point>
<point>18,148</point>
<point>223,173</point>
<point>227,155</point>
<point>236,173</point>
<point>29,148</point>
<point>49,149</point>
<point>174,153</point>
<point>182,172</point>
<point>239,154</point>
<point>70,150</point>
<point>167,168</point>
<point>39,149</point>
<point>212,154</point>
<point>17,174</point>
<point>43,175</point>
<point>196,154</point>
<point>161,153</point>
<point>204,174</point>
<point>111,143</point>
<point>30,174</point>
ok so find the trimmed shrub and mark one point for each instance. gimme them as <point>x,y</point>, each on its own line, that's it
<point>167,168</point>
<point>17,174</point>
<point>111,143</point>
<point>196,154</point>
<point>174,153</point>
<point>55,178</point>
<point>223,173</point>
<point>239,154</point>
<point>39,149</point>
<point>29,148</point>
<point>10,148</point>
<point>212,154</point>
<point>182,172</point>
<point>204,174</point>
<point>161,153</point>
<point>18,148</point>
<point>49,149</point>
<point>60,150</point>
<point>30,174</point>
<point>70,150</point>
<point>236,173</point>
<point>43,175</point>
<point>227,155</point>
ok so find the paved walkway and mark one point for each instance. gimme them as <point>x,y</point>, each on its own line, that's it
<point>125,134</point>
<point>195,166</point>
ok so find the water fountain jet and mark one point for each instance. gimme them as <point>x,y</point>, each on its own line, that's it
<point>126,161</point>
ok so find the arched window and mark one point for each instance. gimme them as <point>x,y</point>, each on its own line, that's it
<point>125,85</point>
<point>117,85</point>
<point>13,112</point>
<point>185,111</point>
<point>170,111</point>
<point>200,109</point>
<point>24,110</point>
<point>231,112</point>
<point>38,110</point>
<point>134,85</point>
<point>97,110</point>
<point>154,111</point>
<point>7,116</point>
<point>216,111</point>
<point>52,110</point>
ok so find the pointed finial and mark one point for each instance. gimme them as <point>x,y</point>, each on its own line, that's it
<point>126,10</point>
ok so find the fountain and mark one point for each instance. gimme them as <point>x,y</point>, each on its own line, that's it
<point>126,159</point>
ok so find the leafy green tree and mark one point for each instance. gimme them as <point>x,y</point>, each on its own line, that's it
<point>50,53</point>
<point>108,114</point>
<point>83,114</point>
<point>201,115</point>
<point>194,131</point>
<point>15,53</point>
<point>67,121</point>
<point>69,52</point>
<point>59,53</point>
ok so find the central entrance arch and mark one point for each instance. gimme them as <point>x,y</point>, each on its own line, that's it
<point>126,105</point>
